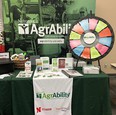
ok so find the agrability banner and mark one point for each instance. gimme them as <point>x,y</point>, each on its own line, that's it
<point>52,96</point>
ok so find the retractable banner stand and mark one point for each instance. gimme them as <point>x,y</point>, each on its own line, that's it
<point>40,27</point>
<point>52,96</point>
<point>2,45</point>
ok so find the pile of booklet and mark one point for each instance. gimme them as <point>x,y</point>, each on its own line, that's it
<point>90,70</point>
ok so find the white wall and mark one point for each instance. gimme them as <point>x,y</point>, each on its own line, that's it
<point>107,9</point>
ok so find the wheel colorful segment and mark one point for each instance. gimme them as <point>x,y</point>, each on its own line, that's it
<point>91,38</point>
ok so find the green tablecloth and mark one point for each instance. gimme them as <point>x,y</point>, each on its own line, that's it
<point>90,96</point>
<point>5,96</point>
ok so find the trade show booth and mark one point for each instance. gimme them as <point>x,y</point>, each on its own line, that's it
<point>46,52</point>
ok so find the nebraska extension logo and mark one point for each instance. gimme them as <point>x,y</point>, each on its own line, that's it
<point>40,109</point>
<point>23,28</point>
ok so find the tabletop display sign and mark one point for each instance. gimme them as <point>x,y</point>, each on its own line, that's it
<point>39,64</point>
<point>45,63</point>
<point>65,63</point>
<point>54,64</point>
<point>5,55</point>
<point>41,26</point>
<point>27,66</point>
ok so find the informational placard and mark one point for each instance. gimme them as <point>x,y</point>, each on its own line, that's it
<point>4,55</point>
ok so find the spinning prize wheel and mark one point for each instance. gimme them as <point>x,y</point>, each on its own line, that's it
<point>91,38</point>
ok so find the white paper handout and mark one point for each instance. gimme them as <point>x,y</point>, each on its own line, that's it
<point>49,74</point>
<point>23,74</point>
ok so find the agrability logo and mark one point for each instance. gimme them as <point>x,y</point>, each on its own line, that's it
<point>41,31</point>
<point>52,95</point>
<point>23,28</point>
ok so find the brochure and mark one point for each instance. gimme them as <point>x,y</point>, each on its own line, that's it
<point>23,74</point>
<point>47,74</point>
<point>71,73</point>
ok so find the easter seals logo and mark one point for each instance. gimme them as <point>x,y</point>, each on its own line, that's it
<point>41,31</point>
<point>58,95</point>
